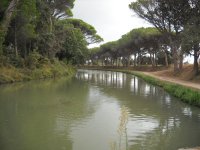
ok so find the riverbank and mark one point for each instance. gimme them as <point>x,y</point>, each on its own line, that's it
<point>186,91</point>
<point>11,74</point>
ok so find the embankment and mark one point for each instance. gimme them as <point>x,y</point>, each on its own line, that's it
<point>10,74</point>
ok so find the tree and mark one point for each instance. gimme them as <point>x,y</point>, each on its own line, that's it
<point>43,27</point>
<point>169,17</point>
<point>141,42</point>
<point>191,41</point>
<point>191,34</point>
<point>7,9</point>
<point>60,8</point>
<point>57,9</point>
<point>88,30</point>
<point>73,48</point>
<point>93,55</point>
<point>22,27</point>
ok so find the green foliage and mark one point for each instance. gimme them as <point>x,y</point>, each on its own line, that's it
<point>166,15</point>
<point>88,30</point>
<point>2,35</point>
<point>3,61</point>
<point>178,20</point>
<point>11,74</point>
<point>186,94</point>
<point>33,60</point>
<point>138,42</point>
<point>74,46</point>
<point>60,8</point>
<point>36,34</point>
<point>3,7</point>
<point>17,62</point>
<point>33,35</point>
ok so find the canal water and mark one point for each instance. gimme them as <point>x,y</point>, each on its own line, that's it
<point>95,110</point>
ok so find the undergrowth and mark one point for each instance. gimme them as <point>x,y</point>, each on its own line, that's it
<point>10,74</point>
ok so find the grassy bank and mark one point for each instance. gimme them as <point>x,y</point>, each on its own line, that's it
<point>10,74</point>
<point>186,94</point>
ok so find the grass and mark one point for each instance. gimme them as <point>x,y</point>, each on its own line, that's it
<point>186,94</point>
<point>10,74</point>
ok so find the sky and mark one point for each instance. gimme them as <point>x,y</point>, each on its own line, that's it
<point>111,18</point>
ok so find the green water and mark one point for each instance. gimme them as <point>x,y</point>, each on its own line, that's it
<point>83,114</point>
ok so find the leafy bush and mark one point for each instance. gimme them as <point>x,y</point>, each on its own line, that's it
<point>44,61</point>
<point>3,61</point>
<point>9,74</point>
<point>17,62</point>
<point>32,61</point>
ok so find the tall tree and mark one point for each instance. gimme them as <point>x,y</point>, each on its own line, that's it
<point>5,19</point>
<point>22,31</point>
<point>58,9</point>
<point>169,17</point>
<point>191,34</point>
<point>88,30</point>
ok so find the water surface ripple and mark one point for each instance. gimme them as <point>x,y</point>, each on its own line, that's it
<point>84,114</point>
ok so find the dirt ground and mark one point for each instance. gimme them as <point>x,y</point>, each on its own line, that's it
<point>185,78</point>
<point>197,148</point>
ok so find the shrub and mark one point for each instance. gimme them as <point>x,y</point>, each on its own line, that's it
<point>32,60</point>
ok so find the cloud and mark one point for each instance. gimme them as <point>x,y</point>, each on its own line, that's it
<point>111,18</point>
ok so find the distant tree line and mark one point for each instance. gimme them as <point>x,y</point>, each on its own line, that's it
<point>44,28</point>
<point>175,34</point>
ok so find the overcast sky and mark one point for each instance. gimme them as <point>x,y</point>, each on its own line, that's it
<point>111,18</point>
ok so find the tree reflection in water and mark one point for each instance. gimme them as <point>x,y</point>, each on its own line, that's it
<point>122,131</point>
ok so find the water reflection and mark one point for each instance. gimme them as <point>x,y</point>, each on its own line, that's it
<point>113,79</point>
<point>83,114</point>
<point>157,120</point>
<point>117,80</point>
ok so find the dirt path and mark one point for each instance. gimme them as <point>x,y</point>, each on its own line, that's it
<point>174,80</point>
<point>198,148</point>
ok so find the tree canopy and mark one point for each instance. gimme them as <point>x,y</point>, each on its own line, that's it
<point>174,19</point>
<point>44,27</point>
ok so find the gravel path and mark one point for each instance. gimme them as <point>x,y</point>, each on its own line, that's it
<point>174,80</point>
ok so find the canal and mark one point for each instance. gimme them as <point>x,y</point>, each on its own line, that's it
<point>95,110</point>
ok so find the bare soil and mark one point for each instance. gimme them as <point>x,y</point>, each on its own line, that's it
<point>185,78</point>
<point>197,148</point>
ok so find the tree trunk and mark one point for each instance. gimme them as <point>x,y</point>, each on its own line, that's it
<point>196,56</point>
<point>15,45</point>
<point>135,60</point>
<point>174,50</point>
<point>6,22</point>
<point>128,65</point>
<point>119,61</point>
<point>51,25</point>
<point>166,59</point>
<point>112,62</point>
<point>152,60</point>
<point>25,49</point>
<point>155,60</point>
<point>139,59</point>
<point>181,62</point>
<point>175,60</point>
